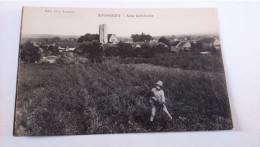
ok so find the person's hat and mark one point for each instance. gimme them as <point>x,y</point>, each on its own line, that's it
<point>160,83</point>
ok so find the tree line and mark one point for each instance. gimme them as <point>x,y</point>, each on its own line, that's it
<point>30,53</point>
<point>136,37</point>
<point>123,50</point>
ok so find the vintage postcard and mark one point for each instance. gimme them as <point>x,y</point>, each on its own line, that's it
<point>103,71</point>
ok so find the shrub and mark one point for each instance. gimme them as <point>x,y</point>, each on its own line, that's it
<point>29,53</point>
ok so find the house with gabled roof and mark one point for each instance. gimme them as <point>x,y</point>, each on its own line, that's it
<point>112,38</point>
<point>180,46</point>
<point>156,43</point>
<point>210,43</point>
<point>217,44</point>
<point>63,46</point>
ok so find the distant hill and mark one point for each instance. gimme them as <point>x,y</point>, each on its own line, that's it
<point>37,37</point>
<point>184,35</point>
<point>49,36</point>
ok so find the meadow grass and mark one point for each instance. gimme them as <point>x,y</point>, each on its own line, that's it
<point>109,98</point>
<point>184,60</point>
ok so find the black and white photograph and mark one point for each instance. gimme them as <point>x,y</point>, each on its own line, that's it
<point>114,70</point>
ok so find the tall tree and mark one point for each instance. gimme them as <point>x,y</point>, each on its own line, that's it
<point>29,53</point>
<point>141,38</point>
<point>53,49</point>
<point>164,40</point>
<point>90,50</point>
<point>88,37</point>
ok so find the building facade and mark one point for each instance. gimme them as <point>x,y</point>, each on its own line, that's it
<point>103,34</point>
<point>181,46</point>
<point>112,38</point>
<point>217,44</point>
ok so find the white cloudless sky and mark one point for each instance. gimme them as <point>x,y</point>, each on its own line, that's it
<point>79,21</point>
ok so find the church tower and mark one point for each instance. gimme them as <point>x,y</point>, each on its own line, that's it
<point>103,33</point>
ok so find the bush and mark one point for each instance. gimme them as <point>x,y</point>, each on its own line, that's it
<point>92,51</point>
<point>126,50</point>
<point>88,37</point>
<point>29,53</point>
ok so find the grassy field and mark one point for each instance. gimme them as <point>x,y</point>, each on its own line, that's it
<point>110,98</point>
<point>184,60</point>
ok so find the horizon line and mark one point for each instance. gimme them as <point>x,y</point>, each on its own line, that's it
<point>22,35</point>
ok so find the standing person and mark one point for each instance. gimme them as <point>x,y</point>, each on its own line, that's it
<point>158,100</point>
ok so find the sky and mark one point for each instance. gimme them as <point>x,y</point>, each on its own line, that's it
<point>79,21</point>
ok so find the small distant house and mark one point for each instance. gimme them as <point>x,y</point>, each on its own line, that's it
<point>36,44</point>
<point>210,43</point>
<point>206,53</point>
<point>65,47</point>
<point>40,50</point>
<point>174,46</point>
<point>61,49</point>
<point>138,44</point>
<point>180,46</point>
<point>160,43</point>
<point>207,43</point>
<point>217,44</point>
<point>112,38</point>
<point>155,43</point>
<point>70,49</point>
<point>129,41</point>
<point>68,57</point>
<point>49,59</point>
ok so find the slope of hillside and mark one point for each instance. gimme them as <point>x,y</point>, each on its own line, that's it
<point>110,98</point>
